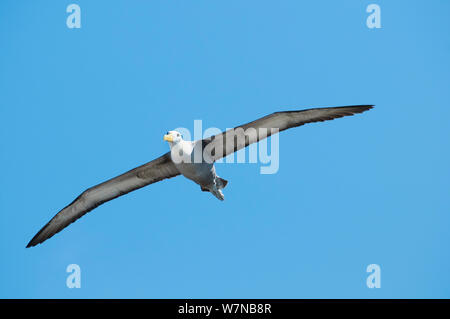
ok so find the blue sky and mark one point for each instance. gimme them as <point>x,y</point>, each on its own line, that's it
<point>79,106</point>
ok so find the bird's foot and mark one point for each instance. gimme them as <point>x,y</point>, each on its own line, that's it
<point>218,193</point>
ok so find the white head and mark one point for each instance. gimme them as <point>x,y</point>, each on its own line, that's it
<point>173,137</point>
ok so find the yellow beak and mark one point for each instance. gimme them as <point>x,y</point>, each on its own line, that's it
<point>168,138</point>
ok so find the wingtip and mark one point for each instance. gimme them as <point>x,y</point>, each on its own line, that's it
<point>363,108</point>
<point>34,241</point>
<point>368,106</point>
<point>30,244</point>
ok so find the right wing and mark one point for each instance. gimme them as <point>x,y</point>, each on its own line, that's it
<point>152,172</point>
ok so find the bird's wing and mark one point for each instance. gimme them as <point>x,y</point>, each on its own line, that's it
<point>228,142</point>
<point>152,172</point>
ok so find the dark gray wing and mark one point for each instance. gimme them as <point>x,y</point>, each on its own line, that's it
<point>152,172</point>
<point>223,144</point>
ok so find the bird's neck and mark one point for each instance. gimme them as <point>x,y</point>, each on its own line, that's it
<point>176,144</point>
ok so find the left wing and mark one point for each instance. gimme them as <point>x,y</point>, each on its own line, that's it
<point>233,140</point>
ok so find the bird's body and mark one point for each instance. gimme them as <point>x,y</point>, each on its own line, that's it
<point>192,159</point>
<point>200,170</point>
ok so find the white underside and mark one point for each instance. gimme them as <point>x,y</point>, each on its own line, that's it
<point>202,173</point>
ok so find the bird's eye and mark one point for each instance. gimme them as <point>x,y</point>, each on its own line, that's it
<point>178,134</point>
<point>167,133</point>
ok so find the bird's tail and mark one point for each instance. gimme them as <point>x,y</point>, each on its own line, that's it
<point>221,183</point>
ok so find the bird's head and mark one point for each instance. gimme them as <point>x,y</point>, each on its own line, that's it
<point>173,137</point>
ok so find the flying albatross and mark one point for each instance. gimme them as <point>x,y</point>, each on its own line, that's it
<point>192,159</point>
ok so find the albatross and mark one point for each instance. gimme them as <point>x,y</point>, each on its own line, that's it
<point>192,159</point>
